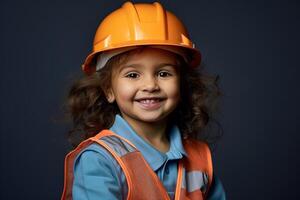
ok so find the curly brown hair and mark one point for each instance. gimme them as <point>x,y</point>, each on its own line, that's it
<point>90,112</point>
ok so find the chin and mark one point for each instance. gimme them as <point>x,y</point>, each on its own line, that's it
<point>150,118</point>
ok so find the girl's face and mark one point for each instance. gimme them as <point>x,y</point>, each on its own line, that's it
<point>146,87</point>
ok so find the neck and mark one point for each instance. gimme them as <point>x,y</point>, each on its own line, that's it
<point>154,133</point>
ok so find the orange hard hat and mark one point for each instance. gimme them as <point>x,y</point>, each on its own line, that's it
<point>140,24</point>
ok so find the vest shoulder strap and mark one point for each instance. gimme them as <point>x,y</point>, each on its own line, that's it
<point>141,180</point>
<point>199,158</point>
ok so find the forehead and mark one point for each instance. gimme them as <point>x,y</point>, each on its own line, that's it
<point>147,56</point>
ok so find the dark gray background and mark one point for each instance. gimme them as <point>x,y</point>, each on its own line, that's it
<point>253,45</point>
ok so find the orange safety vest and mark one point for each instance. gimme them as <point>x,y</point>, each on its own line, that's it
<point>194,171</point>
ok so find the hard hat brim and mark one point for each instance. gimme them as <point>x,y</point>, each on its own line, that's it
<point>89,65</point>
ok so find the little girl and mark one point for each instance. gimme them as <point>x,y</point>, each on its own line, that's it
<point>139,113</point>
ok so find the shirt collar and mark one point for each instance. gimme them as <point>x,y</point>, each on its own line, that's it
<point>154,157</point>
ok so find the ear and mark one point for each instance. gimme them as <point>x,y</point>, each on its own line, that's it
<point>110,96</point>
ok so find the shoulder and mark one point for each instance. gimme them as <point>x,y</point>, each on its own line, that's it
<point>95,168</point>
<point>193,145</point>
<point>95,156</point>
<point>95,161</point>
<point>199,155</point>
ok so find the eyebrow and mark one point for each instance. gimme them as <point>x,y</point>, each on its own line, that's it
<point>139,65</point>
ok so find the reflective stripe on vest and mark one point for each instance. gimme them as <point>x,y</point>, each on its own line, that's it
<point>193,179</point>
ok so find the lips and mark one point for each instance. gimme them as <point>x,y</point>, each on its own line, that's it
<point>150,103</point>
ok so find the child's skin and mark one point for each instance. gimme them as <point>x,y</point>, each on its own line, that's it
<point>152,74</point>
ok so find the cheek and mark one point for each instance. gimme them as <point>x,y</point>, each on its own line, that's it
<point>175,95</point>
<point>124,91</point>
<point>173,90</point>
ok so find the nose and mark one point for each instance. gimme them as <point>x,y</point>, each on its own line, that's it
<point>150,84</point>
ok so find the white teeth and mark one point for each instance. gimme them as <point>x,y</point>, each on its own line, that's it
<point>148,101</point>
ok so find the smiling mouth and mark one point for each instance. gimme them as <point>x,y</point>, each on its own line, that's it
<point>150,103</point>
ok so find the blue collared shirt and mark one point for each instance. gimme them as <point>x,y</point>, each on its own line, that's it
<point>97,175</point>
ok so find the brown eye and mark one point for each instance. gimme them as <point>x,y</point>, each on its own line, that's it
<point>164,74</point>
<point>132,75</point>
